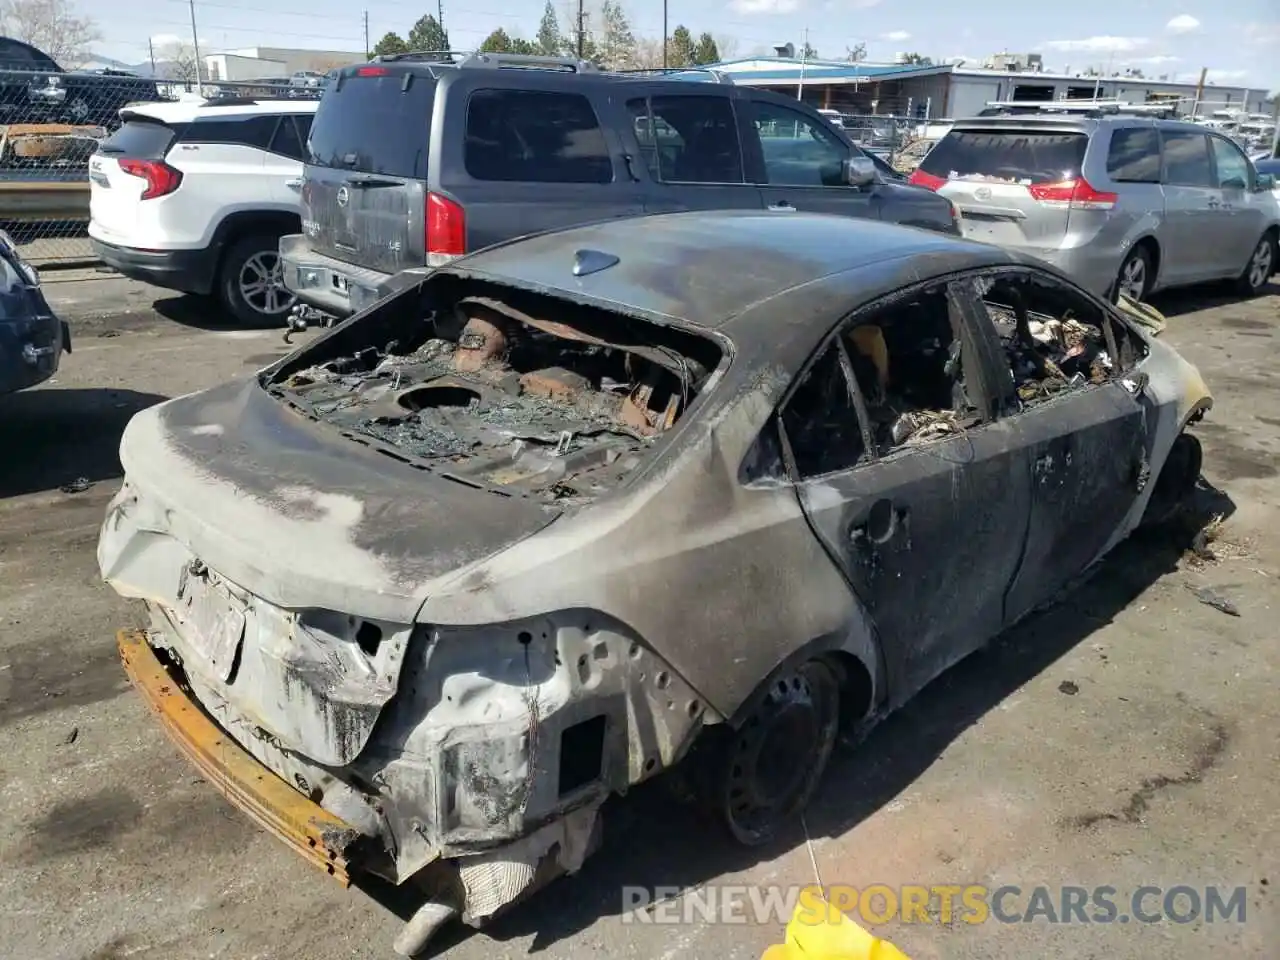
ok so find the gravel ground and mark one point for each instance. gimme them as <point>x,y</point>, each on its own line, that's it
<point>1126,737</point>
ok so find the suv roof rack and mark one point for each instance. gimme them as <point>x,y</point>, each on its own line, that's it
<point>1094,107</point>
<point>717,76</point>
<point>509,61</point>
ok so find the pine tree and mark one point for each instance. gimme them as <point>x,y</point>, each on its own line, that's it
<point>550,40</point>
<point>680,47</point>
<point>496,42</point>
<point>427,34</point>
<point>706,51</point>
<point>391,43</point>
<point>618,43</point>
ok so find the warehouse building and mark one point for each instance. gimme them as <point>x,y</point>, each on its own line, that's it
<point>956,90</point>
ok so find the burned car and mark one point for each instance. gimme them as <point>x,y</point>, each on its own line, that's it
<point>32,338</point>
<point>553,519</point>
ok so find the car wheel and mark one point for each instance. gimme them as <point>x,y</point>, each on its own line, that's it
<point>251,284</point>
<point>78,110</point>
<point>1262,263</point>
<point>769,767</point>
<point>1177,480</point>
<point>1134,278</point>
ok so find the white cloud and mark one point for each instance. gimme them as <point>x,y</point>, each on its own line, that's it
<point>765,6</point>
<point>1226,76</point>
<point>851,4</point>
<point>1156,60</point>
<point>1183,23</point>
<point>1100,44</point>
<point>896,35</point>
<point>1263,32</point>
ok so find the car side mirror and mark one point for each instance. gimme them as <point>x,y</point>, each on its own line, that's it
<point>859,172</point>
<point>1266,182</point>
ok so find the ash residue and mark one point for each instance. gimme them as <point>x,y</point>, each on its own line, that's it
<point>422,439</point>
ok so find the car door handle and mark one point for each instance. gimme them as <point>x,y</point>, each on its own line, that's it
<point>782,206</point>
<point>294,183</point>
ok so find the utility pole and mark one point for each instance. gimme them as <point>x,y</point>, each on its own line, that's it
<point>804,56</point>
<point>366,34</point>
<point>151,49</point>
<point>440,16</point>
<point>582,17</point>
<point>664,34</point>
<point>195,44</point>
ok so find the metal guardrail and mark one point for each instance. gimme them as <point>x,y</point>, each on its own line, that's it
<point>51,123</point>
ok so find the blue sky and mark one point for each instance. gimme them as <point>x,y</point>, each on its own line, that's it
<point>1238,41</point>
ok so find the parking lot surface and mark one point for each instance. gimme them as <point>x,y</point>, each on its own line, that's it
<point>1126,737</point>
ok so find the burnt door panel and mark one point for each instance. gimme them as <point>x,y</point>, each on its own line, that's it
<point>1085,451</point>
<point>929,538</point>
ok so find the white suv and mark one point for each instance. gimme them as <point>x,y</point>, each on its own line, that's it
<point>195,197</point>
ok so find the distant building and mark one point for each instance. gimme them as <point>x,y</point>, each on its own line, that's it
<point>295,60</point>
<point>952,90</point>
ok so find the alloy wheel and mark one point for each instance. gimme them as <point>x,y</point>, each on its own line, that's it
<point>262,284</point>
<point>1260,264</point>
<point>1133,278</point>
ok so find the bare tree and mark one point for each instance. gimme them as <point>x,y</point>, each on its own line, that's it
<point>179,62</point>
<point>727,44</point>
<point>51,25</point>
<point>648,53</point>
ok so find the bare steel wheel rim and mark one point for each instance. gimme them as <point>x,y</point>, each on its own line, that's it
<point>262,286</point>
<point>78,109</point>
<point>1260,264</point>
<point>1133,278</point>
<point>777,757</point>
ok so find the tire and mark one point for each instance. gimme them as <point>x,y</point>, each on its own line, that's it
<point>250,286</point>
<point>1176,482</point>
<point>1261,265</point>
<point>766,771</point>
<point>1135,274</point>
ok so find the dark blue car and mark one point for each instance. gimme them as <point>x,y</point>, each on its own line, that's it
<point>32,339</point>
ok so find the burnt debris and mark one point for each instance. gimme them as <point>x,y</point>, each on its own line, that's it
<point>499,394</point>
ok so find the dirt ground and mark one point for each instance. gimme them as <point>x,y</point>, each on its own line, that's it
<point>1126,737</point>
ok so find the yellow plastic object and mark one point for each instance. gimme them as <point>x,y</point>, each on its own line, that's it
<point>818,931</point>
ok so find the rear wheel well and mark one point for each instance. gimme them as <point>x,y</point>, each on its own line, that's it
<point>856,686</point>
<point>1152,247</point>
<point>253,223</point>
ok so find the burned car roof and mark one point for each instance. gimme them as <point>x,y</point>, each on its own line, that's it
<point>708,268</point>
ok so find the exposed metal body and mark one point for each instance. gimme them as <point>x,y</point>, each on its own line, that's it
<point>462,663</point>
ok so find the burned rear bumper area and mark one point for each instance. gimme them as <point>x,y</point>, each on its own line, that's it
<point>317,835</point>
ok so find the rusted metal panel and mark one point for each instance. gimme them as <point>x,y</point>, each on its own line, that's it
<point>318,836</point>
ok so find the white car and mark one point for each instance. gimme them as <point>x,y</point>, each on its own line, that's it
<point>195,197</point>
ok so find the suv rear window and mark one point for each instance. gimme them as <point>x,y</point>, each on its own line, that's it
<point>143,139</point>
<point>1013,156</point>
<point>535,137</point>
<point>378,124</point>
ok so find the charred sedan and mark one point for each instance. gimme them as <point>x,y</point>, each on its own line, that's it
<point>549,519</point>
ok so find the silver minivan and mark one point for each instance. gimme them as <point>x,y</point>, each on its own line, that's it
<point>1122,203</point>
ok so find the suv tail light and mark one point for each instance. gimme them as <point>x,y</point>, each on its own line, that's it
<point>446,230</point>
<point>1074,194</point>
<point>919,178</point>
<point>161,178</point>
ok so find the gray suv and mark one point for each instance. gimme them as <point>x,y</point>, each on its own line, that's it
<point>414,161</point>
<point>1122,203</point>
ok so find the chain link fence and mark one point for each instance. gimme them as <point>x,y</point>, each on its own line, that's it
<point>50,125</point>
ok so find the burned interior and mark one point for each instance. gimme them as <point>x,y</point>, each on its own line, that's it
<point>895,375</point>
<point>506,389</point>
<point>1054,339</point>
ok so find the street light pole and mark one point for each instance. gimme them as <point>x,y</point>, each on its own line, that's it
<point>664,34</point>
